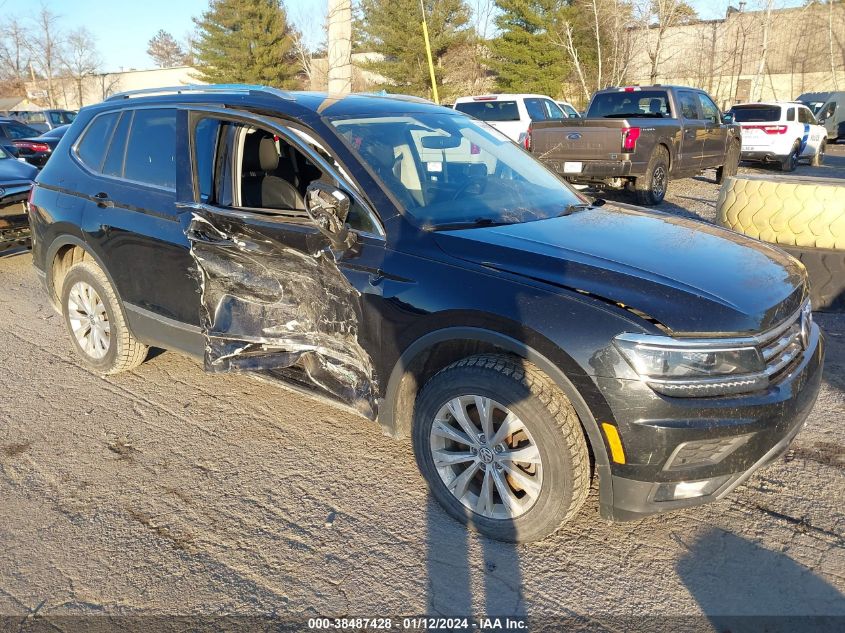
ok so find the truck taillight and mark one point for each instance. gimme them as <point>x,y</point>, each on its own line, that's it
<point>629,138</point>
<point>525,139</point>
<point>768,129</point>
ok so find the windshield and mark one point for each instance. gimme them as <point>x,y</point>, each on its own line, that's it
<point>756,114</point>
<point>630,105</point>
<point>449,169</point>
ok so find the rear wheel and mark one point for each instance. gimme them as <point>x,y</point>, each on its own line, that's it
<point>651,188</point>
<point>790,162</point>
<point>96,323</point>
<point>818,158</point>
<point>501,448</point>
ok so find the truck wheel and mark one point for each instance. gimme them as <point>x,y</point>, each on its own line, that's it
<point>731,165</point>
<point>96,323</point>
<point>818,158</point>
<point>790,162</point>
<point>651,188</point>
<point>501,448</point>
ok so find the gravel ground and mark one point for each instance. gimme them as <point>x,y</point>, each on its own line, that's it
<point>170,491</point>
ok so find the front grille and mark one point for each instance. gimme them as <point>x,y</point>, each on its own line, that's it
<point>783,346</point>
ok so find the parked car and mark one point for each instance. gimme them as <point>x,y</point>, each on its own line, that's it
<point>781,132</point>
<point>639,138</point>
<point>421,268</point>
<point>45,120</point>
<point>12,130</point>
<point>829,110</point>
<point>15,183</point>
<point>37,150</point>
<point>511,114</point>
<point>569,110</point>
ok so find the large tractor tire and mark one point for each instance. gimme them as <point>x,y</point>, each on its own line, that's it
<point>805,216</point>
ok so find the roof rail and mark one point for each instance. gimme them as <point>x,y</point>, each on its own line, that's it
<point>203,88</point>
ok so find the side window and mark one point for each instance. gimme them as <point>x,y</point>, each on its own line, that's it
<point>709,110</point>
<point>150,155</point>
<point>536,112</point>
<point>689,109</point>
<point>805,116</point>
<point>553,110</point>
<point>205,149</point>
<point>92,148</point>
<point>790,114</point>
<point>113,165</point>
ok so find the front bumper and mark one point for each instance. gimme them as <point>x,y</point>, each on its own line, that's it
<point>753,429</point>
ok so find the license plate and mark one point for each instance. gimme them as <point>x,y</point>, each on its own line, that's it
<point>572,168</point>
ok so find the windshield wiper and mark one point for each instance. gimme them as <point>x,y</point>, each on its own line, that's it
<point>468,224</point>
<point>579,206</point>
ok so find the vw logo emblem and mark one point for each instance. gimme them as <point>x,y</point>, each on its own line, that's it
<point>486,455</point>
<point>574,136</point>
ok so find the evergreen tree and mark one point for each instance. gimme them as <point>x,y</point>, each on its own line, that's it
<point>246,41</point>
<point>394,29</point>
<point>526,56</point>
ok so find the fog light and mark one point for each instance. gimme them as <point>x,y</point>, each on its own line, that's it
<point>689,489</point>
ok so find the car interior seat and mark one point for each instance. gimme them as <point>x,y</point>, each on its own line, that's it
<point>267,181</point>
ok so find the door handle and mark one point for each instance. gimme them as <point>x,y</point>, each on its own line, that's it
<point>204,238</point>
<point>102,199</point>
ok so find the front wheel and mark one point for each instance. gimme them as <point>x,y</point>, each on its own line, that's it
<point>818,158</point>
<point>501,448</point>
<point>651,188</point>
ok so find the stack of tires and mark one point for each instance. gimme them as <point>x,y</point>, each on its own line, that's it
<point>803,216</point>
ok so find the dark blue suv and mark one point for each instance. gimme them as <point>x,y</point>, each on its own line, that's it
<point>420,268</point>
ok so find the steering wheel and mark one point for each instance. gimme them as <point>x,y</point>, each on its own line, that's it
<point>480,183</point>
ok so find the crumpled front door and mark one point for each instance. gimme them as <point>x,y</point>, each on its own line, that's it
<point>274,300</point>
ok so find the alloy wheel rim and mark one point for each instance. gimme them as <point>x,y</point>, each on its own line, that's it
<point>89,320</point>
<point>658,186</point>
<point>486,457</point>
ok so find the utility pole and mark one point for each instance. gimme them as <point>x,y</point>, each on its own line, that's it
<point>340,47</point>
<point>428,54</point>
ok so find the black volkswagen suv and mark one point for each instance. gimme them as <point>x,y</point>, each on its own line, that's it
<point>414,264</point>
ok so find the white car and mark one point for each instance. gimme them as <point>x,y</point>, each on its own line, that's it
<point>569,109</point>
<point>781,132</point>
<point>511,114</point>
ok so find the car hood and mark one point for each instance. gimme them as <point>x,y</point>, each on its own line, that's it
<point>690,276</point>
<point>14,171</point>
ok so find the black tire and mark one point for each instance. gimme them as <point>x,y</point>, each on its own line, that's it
<point>547,415</point>
<point>818,158</point>
<point>790,162</point>
<point>651,188</point>
<point>826,269</point>
<point>731,165</point>
<point>123,351</point>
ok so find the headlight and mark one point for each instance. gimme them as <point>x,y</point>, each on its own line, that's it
<point>684,368</point>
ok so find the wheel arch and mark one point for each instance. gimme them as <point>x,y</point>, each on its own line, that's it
<point>59,258</point>
<point>410,373</point>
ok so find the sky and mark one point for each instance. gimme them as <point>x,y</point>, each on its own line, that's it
<point>122,28</point>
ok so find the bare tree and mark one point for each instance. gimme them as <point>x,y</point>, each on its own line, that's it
<point>567,42</point>
<point>165,50</point>
<point>659,16</point>
<point>830,45</point>
<point>45,47</point>
<point>14,54</point>
<point>80,59</point>
<point>757,86</point>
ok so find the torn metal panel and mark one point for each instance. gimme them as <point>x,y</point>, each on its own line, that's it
<point>267,306</point>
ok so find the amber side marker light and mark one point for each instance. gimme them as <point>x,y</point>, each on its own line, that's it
<point>617,453</point>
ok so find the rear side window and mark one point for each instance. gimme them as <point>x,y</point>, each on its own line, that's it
<point>150,154</point>
<point>92,148</point>
<point>630,105</point>
<point>756,114</point>
<point>536,111</point>
<point>205,147</point>
<point>490,110</point>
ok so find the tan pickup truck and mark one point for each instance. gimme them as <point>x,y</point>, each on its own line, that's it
<point>638,138</point>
